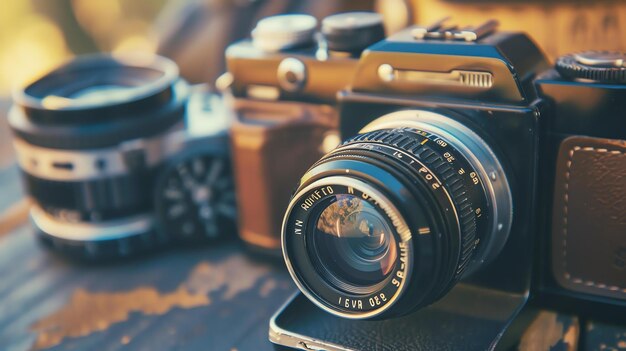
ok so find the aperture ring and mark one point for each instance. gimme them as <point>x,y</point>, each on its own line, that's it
<point>495,217</point>
<point>82,165</point>
<point>418,145</point>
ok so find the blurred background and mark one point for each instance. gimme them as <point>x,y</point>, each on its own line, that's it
<point>36,35</point>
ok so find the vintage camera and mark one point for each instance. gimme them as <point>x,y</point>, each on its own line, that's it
<point>121,156</point>
<point>436,209</point>
<point>284,83</point>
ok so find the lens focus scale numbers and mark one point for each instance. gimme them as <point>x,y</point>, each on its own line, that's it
<point>197,199</point>
<point>445,169</point>
<point>425,146</point>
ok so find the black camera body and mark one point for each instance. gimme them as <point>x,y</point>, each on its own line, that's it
<point>482,115</point>
<point>580,241</point>
<point>506,116</point>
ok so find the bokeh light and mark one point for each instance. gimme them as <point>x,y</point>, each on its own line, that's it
<point>35,37</point>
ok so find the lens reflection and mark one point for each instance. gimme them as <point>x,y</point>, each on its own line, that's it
<point>102,93</point>
<point>354,241</point>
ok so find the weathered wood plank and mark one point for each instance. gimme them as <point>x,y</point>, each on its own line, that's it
<point>206,298</point>
<point>212,298</point>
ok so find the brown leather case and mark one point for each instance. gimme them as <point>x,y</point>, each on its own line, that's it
<point>273,144</point>
<point>589,216</point>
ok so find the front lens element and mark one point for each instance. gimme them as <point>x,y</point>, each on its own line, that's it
<point>354,242</point>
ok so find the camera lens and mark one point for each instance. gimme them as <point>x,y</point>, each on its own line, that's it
<point>89,137</point>
<point>394,217</point>
<point>353,242</point>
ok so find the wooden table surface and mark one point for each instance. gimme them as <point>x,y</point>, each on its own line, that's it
<point>214,297</point>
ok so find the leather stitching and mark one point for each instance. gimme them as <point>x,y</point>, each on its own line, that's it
<point>566,275</point>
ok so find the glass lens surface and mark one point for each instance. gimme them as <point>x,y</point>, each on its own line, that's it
<point>101,93</point>
<point>94,86</point>
<point>354,241</point>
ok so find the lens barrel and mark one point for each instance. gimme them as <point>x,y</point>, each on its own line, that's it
<point>89,138</point>
<point>424,200</point>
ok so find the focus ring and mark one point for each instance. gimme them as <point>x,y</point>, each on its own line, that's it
<point>405,140</point>
<point>94,200</point>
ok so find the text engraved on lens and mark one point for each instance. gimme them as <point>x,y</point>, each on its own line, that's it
<point>428,176</point>
<point>298,228</point>
<point>355,304</point>
<point>315,196</point>
<point>397,280</point>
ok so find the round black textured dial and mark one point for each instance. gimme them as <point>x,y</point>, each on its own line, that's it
<point>599,66</point>
<point>352,31</point>
<point>195,198</point>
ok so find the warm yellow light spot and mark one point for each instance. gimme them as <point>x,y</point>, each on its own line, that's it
<point>54,102</point>
<point>98,17</point>
<point>36,47</point>
<point>137,43</point>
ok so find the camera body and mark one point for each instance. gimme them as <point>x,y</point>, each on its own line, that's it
<point>551,169</point>
<point>506,115</point>
<point>284,82</point>
<point>579,263</point>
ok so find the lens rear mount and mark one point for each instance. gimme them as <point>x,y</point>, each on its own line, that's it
<point>87,241</point>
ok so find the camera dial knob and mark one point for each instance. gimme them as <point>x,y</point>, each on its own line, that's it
<point>281,32</point>
<point>598,66</point>
<point>195,198</point>
<point>352,31</point>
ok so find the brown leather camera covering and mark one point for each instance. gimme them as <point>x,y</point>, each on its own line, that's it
<point>273,144</point>
<point>589,216</point>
